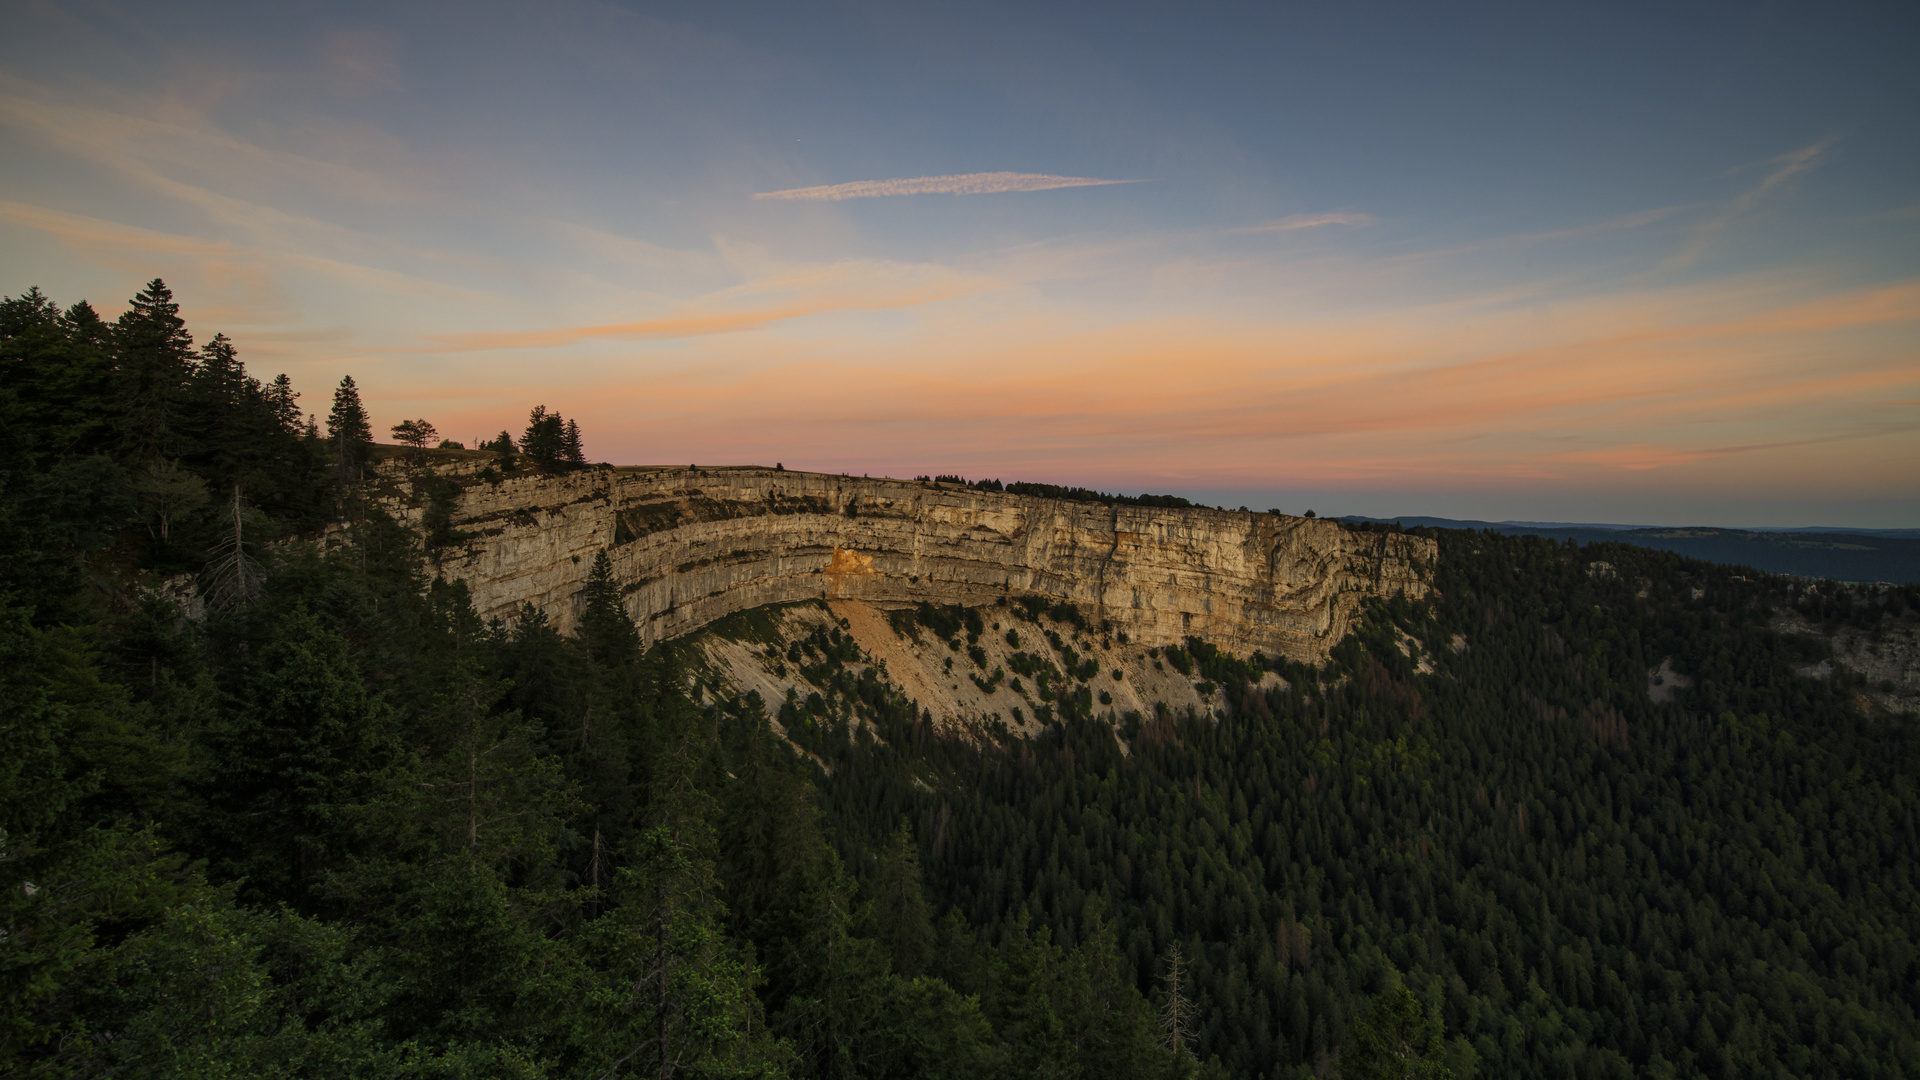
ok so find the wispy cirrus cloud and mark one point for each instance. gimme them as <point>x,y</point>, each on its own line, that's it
<point>654,329</point>
<point>854,297</point>
<point>1309,221</point>
<point>1789,166</point>
<point>983,183</point>
<point>1639,457</point>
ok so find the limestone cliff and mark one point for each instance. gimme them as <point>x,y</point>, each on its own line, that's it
<point>691,545</point>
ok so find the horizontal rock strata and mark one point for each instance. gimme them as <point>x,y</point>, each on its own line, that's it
<point>691,545</point>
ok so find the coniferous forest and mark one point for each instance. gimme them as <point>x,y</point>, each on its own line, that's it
<point>306,815</point>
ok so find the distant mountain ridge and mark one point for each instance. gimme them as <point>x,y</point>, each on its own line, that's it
<point>1842,554</point>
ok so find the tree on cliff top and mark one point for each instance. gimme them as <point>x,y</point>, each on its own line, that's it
<point>155,354</point>
<point>551,438</point>
<point>347,423</point>
<point>545,437</point>
<point>348,430</point>
<point>415,433</point>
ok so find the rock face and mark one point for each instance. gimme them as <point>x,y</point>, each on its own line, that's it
<point>691,545</point>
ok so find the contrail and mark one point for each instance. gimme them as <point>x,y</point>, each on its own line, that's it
<point>981,183</point>
<point>1308,221</point>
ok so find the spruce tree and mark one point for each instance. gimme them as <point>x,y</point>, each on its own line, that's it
<point>223,406</point>
<point>605,626</point>
<point>570,447</point>
<point>545,437</point>
<point>155,359</point>
<point>347,423</point>
<point>1394,1041</point>
<point>899,913</point>
<point>349,431</point>
<point>283,403</point>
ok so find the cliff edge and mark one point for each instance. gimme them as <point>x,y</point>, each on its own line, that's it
<point>691,545</point>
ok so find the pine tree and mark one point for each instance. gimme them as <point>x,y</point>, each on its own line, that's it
<point>681,996</point>
<point>283,402</point>
<point>349,431</point>
<point>605,626</point>
<point>677,996</point>
<point>1394,1041</point>
<point>415,433</point>
<point>155,359</point>
<point>570,448</point>
<point>347,423</point>
<point>900,916</point>
<point>545,437</point>
<point>221,399</point>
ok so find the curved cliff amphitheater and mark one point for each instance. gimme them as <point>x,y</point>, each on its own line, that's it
<point>692,545</point>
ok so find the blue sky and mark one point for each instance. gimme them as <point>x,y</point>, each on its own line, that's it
<point>1643,263</point>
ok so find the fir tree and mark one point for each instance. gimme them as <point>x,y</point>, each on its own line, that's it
<point>155,354</point>
<point>283,404</point>
<point>1394,1041</point>
<point>349,431</point>
<point>605,626</point>
<point>545,437</point>
<point>347,424</point>
<point>899,911</point>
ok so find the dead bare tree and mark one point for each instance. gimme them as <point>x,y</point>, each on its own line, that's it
<point>233,577</point>
<point>1176,1012</point>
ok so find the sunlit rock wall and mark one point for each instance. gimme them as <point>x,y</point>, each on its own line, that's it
<point>690,545</point>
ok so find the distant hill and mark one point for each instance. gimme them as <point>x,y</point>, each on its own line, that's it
<point>1891,555</point>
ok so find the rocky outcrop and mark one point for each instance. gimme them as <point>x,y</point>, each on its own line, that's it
<point>691,545</point>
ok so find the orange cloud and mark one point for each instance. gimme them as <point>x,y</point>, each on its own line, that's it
<point>692,325</point>
<point>1635,384</point>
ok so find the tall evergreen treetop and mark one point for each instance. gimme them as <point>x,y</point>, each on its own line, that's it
<point>545,437</point>
<point>348,423</point>
<point>152,329</point>
<point>284,402</point>
<point>155,360</point>
<point>605,626</point>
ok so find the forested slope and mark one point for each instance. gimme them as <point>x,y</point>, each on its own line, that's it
<point>1584,881</point>
<point>335,825</point>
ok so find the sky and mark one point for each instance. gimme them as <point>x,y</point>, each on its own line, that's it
<point>1641,263</point>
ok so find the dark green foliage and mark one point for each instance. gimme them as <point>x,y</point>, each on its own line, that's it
<point>348,422</point>
<point>1079,494</point>
<point>340,827</point>
<point>127,425</point>
<point>154,361</point>
<point>944,621</point>
<point>549,439</point>
<point>443,496</point>
<point>1395,1041</point>
<point>349,432</point>
<point>902,922</point>
<point>1580,879</point>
